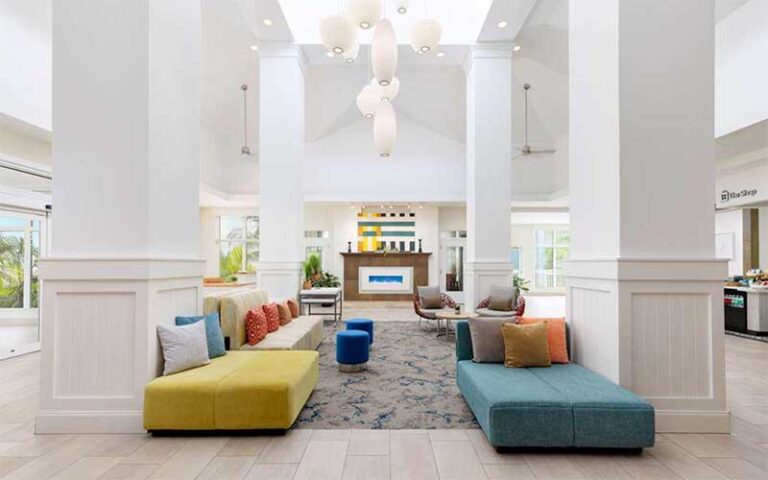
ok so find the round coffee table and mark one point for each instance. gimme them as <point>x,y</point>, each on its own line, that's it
<point>449,315</point>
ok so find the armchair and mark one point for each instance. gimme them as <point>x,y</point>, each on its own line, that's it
<point>483,309</point>
<point>429,314</point>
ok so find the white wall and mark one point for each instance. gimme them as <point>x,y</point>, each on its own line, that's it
<point>344,166</point>
<point>741,69</point>
<point>762,216</point>
<point>25,60</point>
<point>733,222</point>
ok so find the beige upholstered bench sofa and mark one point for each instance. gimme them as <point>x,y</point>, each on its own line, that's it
<point>302,333</point>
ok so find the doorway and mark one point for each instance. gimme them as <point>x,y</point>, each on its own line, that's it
<point>22,243</point>
<point>453,246</point>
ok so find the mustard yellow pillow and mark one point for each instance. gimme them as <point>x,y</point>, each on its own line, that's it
<point>526,345</point>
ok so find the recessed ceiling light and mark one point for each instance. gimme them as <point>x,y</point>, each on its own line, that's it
<point>329,54</point>
<point>267,22</point>
<point>516,48</point>
<point>440,54</point>
<point>254,47</point>
<point>502,24</point>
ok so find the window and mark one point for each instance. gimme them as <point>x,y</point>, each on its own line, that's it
<point>238,245</point>
<point>19,251</point>
<point>551,251</point>
<point>514,258</point>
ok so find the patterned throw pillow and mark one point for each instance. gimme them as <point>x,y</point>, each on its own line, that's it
<point>294,306</point>
<point>284,312</point>
<point>273,316</point>
<point>255,326</point>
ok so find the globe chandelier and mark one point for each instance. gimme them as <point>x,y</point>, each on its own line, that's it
<point>339,34</point>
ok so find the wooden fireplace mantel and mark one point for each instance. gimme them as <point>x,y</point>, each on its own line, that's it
<point>354,260</point>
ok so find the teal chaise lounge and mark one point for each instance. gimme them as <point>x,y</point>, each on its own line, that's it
<point>565,405</point>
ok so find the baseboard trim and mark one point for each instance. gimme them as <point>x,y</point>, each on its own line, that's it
<point>89,422</point>
<point>671,421</point>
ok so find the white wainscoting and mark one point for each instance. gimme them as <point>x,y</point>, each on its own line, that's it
<point>99,341</point>
<point>479,277</point>
<point>279,279</point>
<point>656,327</point>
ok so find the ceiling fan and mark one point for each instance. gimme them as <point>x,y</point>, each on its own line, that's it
<point>526,149</point>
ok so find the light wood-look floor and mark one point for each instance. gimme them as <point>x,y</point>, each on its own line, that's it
<point>371,454</point>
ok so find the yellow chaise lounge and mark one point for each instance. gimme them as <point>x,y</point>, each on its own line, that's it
<point>239,391</point>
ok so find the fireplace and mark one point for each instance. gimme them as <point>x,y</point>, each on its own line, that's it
<point>383,280</point>
<point>371,276</point>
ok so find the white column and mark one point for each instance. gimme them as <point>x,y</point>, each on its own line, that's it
<point>644,288</point>
<point>281,156</point>
<point>126,250</point>
<point>489,180</point>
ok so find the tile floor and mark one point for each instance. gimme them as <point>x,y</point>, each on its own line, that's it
<point>377,454</point>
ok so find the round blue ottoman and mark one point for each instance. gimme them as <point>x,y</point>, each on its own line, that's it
<point>364,324</point>
<point>352,350</point>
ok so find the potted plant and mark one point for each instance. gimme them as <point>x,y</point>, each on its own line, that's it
<point>312,271</point>
<point>520,283</point>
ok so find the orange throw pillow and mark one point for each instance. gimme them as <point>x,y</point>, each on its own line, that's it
<point>255,326</point>
<point>558,349</point>
<point>273,316</point>
<point>294,306</point>
<point>284,313</point>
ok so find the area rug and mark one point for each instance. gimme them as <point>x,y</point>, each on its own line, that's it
<point>410,384</point>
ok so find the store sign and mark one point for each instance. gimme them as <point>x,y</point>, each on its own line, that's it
<point>743,185</point>
<point>726,195</point>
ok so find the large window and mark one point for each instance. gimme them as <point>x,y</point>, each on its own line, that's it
<point>551,252</point>
<point>238,245</point>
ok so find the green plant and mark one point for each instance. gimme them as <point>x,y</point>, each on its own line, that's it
<point>11,272</point>
<point>520,283</point>
<point>327,280</point>
<point>231,263</point>
<point>312,267</point>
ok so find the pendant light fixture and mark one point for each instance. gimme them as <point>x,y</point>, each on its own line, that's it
<point>384,52</point>
<point>384,129</point>
<point>365,13</point>
<point>350,56</point>
<point>245,149</point>
<point>425,36</point>
<point>402,6</point>
<point>338,34</point>
<point>389,92</point>
<point>367,100</point>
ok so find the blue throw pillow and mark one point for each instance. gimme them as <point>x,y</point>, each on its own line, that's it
<point>212,332</point>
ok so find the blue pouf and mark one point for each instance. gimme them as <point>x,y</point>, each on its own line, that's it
<point>364,324</point>
<point>352,350</point>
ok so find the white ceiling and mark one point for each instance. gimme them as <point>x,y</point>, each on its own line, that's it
<point>461,20</point>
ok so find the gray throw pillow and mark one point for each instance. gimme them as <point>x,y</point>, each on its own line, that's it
<point>502,304</point>
<point>505,292</point>
<point>487,339</point>
<point>430,297</point>
<point>184,347</point>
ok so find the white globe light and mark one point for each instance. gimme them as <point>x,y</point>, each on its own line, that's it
<point>389,92</point>
<point>402,6</point>
<point>384,52</point>
<point>351,55</point>
<point>365,13</point>
<point>338,34</point>
<point>368,100</point>
<point>385,129</point>
<point>425,36</point>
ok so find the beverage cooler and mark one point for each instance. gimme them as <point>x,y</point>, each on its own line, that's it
<point>746,310</point>
<point>735,310</point>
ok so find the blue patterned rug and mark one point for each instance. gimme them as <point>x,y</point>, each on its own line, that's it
<point>410,383</point>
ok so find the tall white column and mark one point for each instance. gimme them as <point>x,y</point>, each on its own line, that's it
<point>125,253</point>
<point>644,288</point>
<point>281,156</point>
<point>489,174</point>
